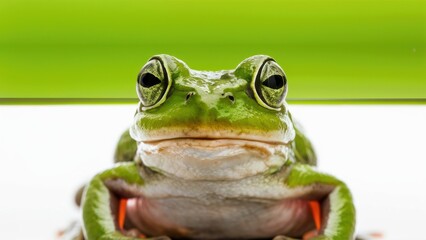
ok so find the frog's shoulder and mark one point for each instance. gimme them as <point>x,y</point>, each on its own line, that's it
<point>126,148</point>
<point>303,150</point>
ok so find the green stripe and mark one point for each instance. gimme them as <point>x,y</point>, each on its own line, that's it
<point>59,101</point>
<point>329,50</point>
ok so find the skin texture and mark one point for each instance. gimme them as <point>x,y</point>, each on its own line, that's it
<point>215,155</point>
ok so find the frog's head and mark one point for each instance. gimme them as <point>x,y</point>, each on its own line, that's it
<point>199,115</point>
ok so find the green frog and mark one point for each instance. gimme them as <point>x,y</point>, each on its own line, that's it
<point>215,155</point>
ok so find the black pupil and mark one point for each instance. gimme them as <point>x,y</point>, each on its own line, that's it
<point>275,82</point>
<point>148,80</point>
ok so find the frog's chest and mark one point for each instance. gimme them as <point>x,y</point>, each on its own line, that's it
<point>209,213</point>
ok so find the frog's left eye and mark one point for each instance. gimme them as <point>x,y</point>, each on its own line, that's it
<point>153,84</point>
<point>270,85</point>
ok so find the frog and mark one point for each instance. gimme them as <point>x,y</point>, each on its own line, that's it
<point>215,155</point>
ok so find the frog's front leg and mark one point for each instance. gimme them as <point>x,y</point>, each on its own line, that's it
<point>336,211</point>
<point>338,215</point>
<point>101,203</point>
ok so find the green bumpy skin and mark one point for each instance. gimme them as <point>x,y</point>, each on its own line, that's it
<point>97,216</point>
<point>209,108</point>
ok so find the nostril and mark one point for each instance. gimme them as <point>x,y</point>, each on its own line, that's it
<point>189,95</point>
<point>231,98</point>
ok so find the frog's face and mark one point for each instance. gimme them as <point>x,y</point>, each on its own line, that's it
<point>178,104</point>
<point>245,103</point>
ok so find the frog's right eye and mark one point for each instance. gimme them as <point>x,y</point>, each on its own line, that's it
<point>153,84</point>
<point>270,85</point>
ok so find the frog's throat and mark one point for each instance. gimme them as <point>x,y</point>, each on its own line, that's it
<point>213,159</point>
<point>156,208</point>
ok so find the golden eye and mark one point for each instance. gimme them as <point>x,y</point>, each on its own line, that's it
<point>152,84</point>
<point>270,85</point>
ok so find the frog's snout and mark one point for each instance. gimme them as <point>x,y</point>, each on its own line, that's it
<point>189,95</point>
<point>229,96</point>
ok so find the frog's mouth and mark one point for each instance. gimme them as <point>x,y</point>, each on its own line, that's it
<point>214,131</point>
<point>212,158</point>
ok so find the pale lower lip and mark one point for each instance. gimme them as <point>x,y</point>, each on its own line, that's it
<point>212,159</point>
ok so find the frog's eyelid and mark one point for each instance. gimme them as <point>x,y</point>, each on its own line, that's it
<point>139,109</point>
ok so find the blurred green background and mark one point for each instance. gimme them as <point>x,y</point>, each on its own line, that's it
<point>330,49</point>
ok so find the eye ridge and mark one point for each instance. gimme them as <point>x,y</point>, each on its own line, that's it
<point>148,80</point>
<point>275,82</point>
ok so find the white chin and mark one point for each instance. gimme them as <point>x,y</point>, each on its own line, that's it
<point>212,159</point>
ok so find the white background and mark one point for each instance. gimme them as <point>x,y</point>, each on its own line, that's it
<point>48,152</point>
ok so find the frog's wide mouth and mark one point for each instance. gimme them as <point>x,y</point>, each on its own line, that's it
<point>212,158</point>
<point>213,132</point>
<point>213,138</point>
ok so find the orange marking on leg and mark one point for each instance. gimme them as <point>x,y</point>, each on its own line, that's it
<point>122,212</point>
<point>310,235</point>
<point>316,213</point>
